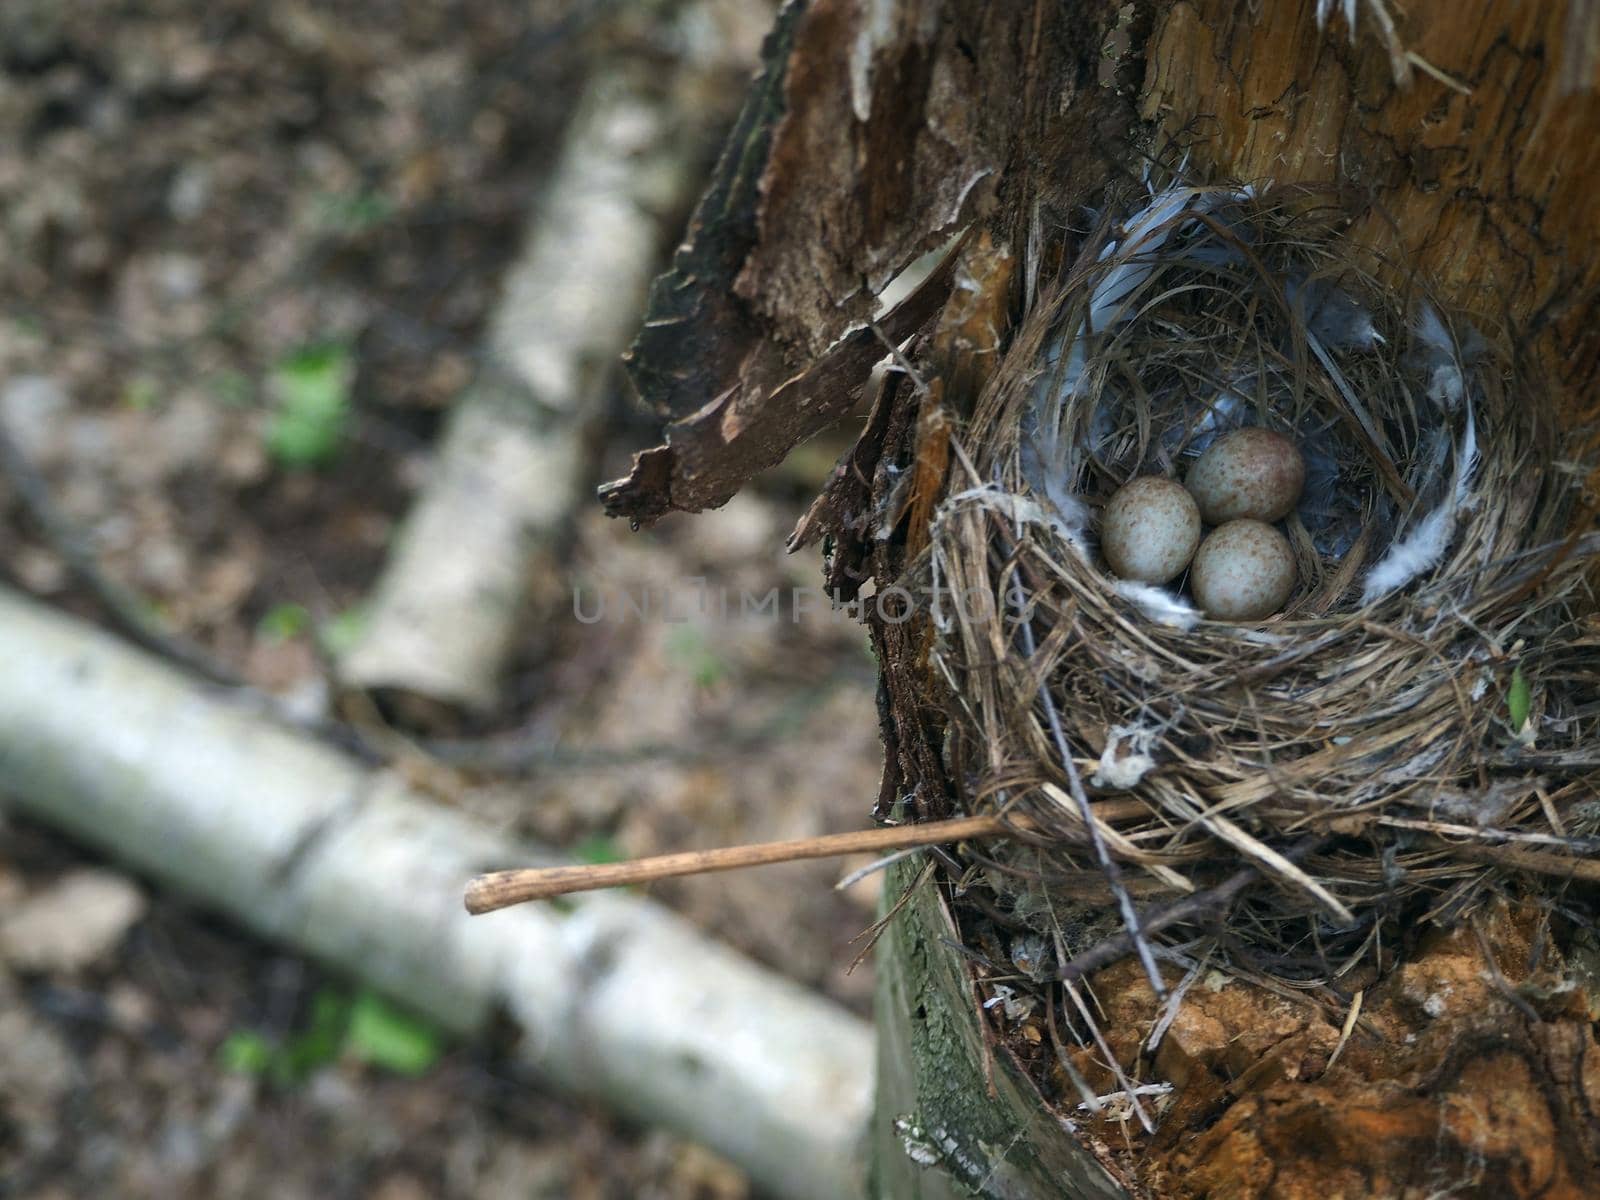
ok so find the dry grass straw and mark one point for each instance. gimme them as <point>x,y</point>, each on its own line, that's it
<point>1315,783</point>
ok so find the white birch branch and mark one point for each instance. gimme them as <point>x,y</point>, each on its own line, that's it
<point>441,621</point>
<point>618,998</point>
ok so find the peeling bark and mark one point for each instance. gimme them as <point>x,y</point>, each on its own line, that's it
<point>873,131</point>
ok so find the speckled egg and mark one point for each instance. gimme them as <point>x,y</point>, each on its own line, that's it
<point>1252,472</point>
<point>1150,529</point>
<point>1242,571</point>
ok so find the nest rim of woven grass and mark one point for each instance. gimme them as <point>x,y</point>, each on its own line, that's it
<point>1300,784</point>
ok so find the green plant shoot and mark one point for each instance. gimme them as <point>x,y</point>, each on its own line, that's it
<point>313,405</point>
<point>1519,700</point>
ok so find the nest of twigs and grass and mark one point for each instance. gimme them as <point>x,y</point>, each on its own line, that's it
<point>1289,798</point>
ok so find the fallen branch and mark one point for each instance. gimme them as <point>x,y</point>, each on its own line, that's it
<point>508,471</point>
<point>617,998</point>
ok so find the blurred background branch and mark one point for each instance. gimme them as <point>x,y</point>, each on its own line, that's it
<point>265,272</point>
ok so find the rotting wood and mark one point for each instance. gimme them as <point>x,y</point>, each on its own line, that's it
<point>940,1132</point>
<point>866,140</point>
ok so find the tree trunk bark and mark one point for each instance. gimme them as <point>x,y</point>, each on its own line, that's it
<point>939,1130</point>
<point>877,130</point>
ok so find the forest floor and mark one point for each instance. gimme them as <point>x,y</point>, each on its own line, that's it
<point>208,210</point>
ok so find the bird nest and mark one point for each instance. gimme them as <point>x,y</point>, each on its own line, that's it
<point>1417,728</point>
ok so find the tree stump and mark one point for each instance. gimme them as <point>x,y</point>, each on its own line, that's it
<point>872,136</point>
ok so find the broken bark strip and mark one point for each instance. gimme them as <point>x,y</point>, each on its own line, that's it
<point>508,470</point>
<point>966,111</point>
<point>617,999</point>
<point>871,134</point>
<point>706,453</point>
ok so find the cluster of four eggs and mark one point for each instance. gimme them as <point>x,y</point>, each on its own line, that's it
<point>1244,569</point>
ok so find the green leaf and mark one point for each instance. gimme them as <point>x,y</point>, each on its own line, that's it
<point>246,1052</point>
<point>597,848</point>
<point>354,212</point>
<point>313,393</point>
<point>384,1036</point>
<point>282,622</point>
<point>339,633</point>
<point>1519,700</point>
<point>319,1043</point>
<point>692,650</point>
<point>141,394</point>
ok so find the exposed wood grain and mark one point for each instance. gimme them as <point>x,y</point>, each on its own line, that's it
<point>1491,195</point>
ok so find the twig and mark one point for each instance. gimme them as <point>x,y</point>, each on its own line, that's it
<point>500,889</point>
<point>879,927</point>
<point>1448,831</point>
<point>1169,1012</point>
<point>1108,1057</point>
<point>1444,77</point>
<point>873,867</point>
<point>1540,862</point>
<point>1090,1101</point>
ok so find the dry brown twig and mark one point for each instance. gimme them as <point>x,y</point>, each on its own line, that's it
<point>501,889</point>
